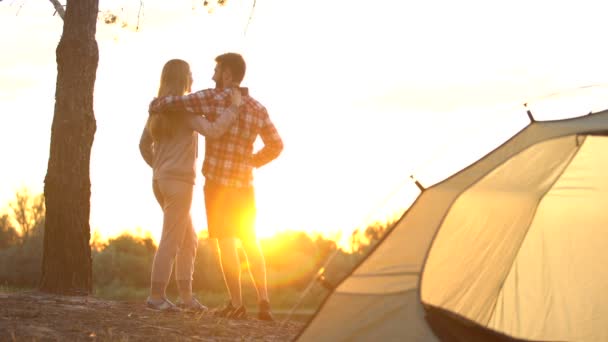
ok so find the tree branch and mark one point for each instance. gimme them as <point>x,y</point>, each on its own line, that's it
<point>58,8</point>
<point>141,7</point>
<point>250,16</point>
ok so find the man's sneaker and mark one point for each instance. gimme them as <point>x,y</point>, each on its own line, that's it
<point>225,311</point>
<point>193,306</point>
<point>161,305</point>
<point>229,311</point>
<point>238,313</point>
<point>264,313</point>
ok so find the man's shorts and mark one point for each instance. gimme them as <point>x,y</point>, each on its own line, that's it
<point>230,211</point>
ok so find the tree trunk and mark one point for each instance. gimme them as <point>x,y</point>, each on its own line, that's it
<point>66,263</point>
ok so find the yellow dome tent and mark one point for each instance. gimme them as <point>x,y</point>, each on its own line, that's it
<point>513,247</point>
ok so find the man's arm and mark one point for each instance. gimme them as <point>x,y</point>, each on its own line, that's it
<point>273,144</point>
<point>216,128</point>
<point>204,101</point>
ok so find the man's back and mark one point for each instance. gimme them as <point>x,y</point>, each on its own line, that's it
<point>229,160</point>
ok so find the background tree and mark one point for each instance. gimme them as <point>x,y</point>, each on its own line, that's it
<point>21,231</point>
<point>28,212</point>
<point>66,263</point>
<point>8,234</point>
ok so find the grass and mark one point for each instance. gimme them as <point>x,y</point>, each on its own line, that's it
<point>283,299</point>
<point>5,288</point>
<point>117,292</point>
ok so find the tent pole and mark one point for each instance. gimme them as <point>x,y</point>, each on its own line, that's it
<point>530,116</point>
<point>420,186</point>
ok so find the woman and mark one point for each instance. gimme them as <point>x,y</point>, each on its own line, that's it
<point>169,145</point>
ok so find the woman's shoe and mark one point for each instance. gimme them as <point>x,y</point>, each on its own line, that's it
<point>193,306</point>
<point>161,305</point>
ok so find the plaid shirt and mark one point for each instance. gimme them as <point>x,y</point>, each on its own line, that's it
<point>229,159</point>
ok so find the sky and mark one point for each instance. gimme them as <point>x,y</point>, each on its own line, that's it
<point>364,95</point>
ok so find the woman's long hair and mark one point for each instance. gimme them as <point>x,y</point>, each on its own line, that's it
<point>175,80</point>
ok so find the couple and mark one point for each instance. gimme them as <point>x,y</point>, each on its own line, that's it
<point>230,120</point>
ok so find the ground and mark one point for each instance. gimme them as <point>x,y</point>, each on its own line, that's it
<point>34,316</point>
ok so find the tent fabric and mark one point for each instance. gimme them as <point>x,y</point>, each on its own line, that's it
<point>485,227</point>
<point>564,258</point>
<point>364,317</point>
<point>511,244</point>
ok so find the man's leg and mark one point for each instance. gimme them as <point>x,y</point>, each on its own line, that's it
<point>257,270</point>
<point>253,251</point>
<point>257,267</point>
<point>222,208</point>
<point>231,269</point>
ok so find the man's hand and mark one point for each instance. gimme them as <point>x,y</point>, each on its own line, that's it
<point>152,107</point>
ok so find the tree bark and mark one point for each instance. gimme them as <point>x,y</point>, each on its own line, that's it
<point>66,264</point>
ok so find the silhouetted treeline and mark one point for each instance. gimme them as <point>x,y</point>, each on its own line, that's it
<point>121,266</point>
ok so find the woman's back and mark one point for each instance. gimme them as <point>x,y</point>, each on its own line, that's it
<point>174,156</point>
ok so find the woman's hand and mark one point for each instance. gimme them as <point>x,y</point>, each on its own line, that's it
<point>235,97</point>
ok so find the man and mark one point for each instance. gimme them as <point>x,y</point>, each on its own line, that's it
<point>228,171</point>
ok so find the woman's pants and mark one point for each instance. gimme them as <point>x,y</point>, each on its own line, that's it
<point>178,241</point>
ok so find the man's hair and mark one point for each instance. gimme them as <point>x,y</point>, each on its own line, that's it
<point>233,62</point>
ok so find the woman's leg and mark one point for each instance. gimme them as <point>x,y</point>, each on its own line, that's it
<point>157,289</point>
<point>175,199</point>
<point>184,263</point>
